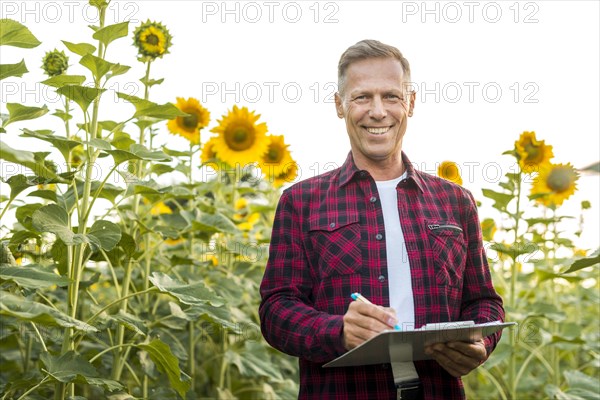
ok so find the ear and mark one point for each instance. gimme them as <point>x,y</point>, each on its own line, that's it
<point>339,107</point>
<point>411,105</point>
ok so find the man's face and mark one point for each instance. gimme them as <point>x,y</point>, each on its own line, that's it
<point>375,106</point>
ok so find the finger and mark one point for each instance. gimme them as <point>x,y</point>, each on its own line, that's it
<point>475,350</point>
<point>387,317</point>
<point>446,362</point>
<point>457,361</point>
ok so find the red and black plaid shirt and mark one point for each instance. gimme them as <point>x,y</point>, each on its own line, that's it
<point>328,241</point>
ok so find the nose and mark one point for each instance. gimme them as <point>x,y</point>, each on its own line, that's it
<point>377,110</point>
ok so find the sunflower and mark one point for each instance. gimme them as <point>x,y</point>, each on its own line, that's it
<point>208,151</point>
<point>449,171</point>
<point>152,39</point>
<point>532,153</point>
<point>240,140</point>
<point>160,208</point>
<point>554,184</point>
<point>488,229</point>
<point>289,175</point>
<point>55,63</point>
<point>274,161</point>
<point>250,222</point>
<point>189,127</point>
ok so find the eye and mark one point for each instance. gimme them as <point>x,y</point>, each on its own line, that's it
<point>363,98</point>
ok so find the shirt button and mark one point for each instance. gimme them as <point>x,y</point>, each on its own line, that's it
<point>373,199</point>
<point>332,225</point>
<point>381,278</point>
<point>379,236</point>
<point>384,366</point>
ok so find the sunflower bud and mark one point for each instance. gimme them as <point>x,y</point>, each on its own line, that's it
<point>152,39</point>
<point>55,63</point>
<point>77,155</point>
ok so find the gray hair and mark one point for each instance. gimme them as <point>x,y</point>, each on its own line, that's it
<point>366,49</point>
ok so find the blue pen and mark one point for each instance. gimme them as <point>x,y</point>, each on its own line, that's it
<point>360,297</point>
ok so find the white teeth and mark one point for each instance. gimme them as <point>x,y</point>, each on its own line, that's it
<point>378,131</point>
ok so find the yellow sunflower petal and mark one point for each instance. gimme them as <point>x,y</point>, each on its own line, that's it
<point>449,170</point>
<point>189,126</point>
<point>240,139</point>
<point>554,184</point>
<point>532,153</point>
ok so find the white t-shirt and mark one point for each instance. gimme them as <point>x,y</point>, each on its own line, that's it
<point>399,280</point>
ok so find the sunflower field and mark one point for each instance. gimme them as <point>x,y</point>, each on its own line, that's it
<point>125,273</point>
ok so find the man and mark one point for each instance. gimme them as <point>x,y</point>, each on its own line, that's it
<point>378,227</point>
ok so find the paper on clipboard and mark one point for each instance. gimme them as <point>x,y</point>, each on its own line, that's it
<point>409,345</point>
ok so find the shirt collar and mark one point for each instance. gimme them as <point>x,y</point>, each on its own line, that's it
<point>349,170</point>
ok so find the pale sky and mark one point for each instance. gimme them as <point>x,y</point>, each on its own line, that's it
<point>485,72</point>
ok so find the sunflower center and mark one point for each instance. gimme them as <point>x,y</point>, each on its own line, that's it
<point>559,180</point>
<point>152,39</point>
<point>240,138</point>
<point>273,155</point>
<point>533,152</point>
<point>190,122</point>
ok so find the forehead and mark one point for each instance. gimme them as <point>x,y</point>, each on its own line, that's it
<point>374,73</point>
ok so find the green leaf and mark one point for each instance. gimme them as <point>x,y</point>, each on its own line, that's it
<point>579,380</point>
<point>137,152</point>
<point>217,315</point>
<point>151,82</point>
<point>18,183</point>
<point>18,112</point>
<point>167,363</point>
<point>594,167</point>
<point>252,363</point>
<point>8,70</point>
<point>62,144</point>
<point>112,32</point>
<point>501,200</point>
<point>192,294</point>
<point>80,48</point>
<point>45,194</point>
<point>66,367</point>
<point>26,159</point>
<point>6,256</point>
<point>594,259</point>
<point>24,214</point>
<point>108,192</point>
<point>159,169</point>
<point>149,109</point>
<point>63,80</point>
<point>100,67</point>
<point>211,223</point>
<point>516,249</point>
<point>15,34</point>
<point>82,95</point>
<point>131,322</point>
<point>24,309</point>
<point>54,219</point>
<point>107,233</point>
<point>32,276</point>
<point>72,367</point>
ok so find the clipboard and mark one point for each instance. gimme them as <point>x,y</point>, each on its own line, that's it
<point>409,345</point>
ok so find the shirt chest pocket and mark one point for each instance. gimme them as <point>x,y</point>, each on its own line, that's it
<point>447,243</point>
<point>336,245</point>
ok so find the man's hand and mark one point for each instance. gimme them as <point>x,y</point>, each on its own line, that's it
<point>458,358</point>
<point>363,321</point>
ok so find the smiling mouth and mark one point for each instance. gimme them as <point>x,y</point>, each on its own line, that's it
<point>378,130</point>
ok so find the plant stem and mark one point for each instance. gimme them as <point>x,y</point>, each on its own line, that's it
<point>119,358</point>
<point>512,362</point>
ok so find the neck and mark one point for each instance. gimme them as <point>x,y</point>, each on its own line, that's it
<point>382,170</point>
